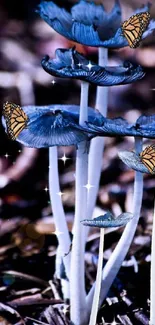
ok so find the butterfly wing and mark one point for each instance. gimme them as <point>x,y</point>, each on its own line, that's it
<point>148,158</point>
<point>7,107</point>
<point>16,119</point>
<point>134,27</point>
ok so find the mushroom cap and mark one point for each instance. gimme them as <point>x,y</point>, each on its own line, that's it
<point>144,127</point>
<point>108,220</point>
<point>58,125</point>
<point>89,23</point>
<point>133,161</point>
<point>53,125</point>
<point>68,63</point>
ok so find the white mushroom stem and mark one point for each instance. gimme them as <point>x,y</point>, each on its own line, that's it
<point>57,208</point>
<point>95,305</point>
<point>77,273</point>
<point>84,103</point>
<point>113,265</point>
<point>152,288</point>
<point>97,144</point>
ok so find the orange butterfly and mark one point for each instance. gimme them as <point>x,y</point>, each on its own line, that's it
<point>134,27</point>
<point>148,158</point>
<point>16,119</point>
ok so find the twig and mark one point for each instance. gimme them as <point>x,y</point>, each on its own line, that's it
<point>33,319</point>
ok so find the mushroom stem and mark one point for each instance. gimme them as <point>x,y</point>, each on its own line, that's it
<point>113,265</point>
<point>102,92</point>
<point>84,103</point>
<point>95,305</point>
<point>97,144</point>
<point>77,273</point>
<point>57,208</point>
<point>152,288</point>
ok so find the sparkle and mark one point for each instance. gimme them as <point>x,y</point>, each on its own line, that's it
<point>79,65</point>
<point>64,158</point>
<point>88,186</point>
<point>60,193</point>
<point>53,82</point>
<point>6,155</point>
<point>46,189</point>
<point>153,89</point>
<point>89,65</point>
<point>19,151</point>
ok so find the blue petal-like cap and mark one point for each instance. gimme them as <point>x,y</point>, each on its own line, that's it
<point>118,40</point>
<point>71,64</point>
<point>100,22</point>
<point>111,23</point>
<point>58,18</point>
<point>146,125</point>
<point>108,220</point>
<point>88,13</point>
<point>56,125</point>
<point>89,24</point>
<point>116,126</point>
<point>133,161</point>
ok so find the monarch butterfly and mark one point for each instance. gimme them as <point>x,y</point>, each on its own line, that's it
<point>134,27</point>
<point>16,119</point>
<point>148,158</point>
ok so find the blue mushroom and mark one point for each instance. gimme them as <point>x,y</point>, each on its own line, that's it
<point>144,163</point>
<point>116,126</point>
<point>89,24</point>
<point>108,220</point>
<point>71,64</point>
<point>58,125</point>
<point>133,161</point>
<point>144,127</point>
<point>47,126</point>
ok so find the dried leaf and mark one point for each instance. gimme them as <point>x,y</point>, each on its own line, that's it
<point>36,299</point>
<point>27,277</point>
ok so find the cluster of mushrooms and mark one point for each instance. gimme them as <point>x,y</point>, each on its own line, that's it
<point>65,125</point>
